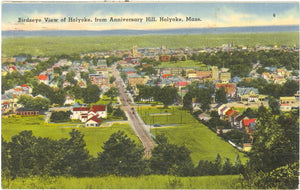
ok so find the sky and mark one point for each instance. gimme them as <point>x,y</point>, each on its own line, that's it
<point>221,14</point>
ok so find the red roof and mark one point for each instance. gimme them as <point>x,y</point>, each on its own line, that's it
<point>18,89</point>
<point>42,77</point>
<point>24,85</point>
<point>166,75</point>
<point>224,85</point>
<point>81,109</point>
<point>247,122</point>
<point>182,83</point>
<point>95,119</point>
<point>285,104</point>
<point>229,112</point>
<point>223,109</point>
<point>12,67</point>
<point>5,103</point>
<point>96,108</point>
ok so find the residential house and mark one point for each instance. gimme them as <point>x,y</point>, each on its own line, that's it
<point>43,79</point>
<point>285,107</point>
<point>135,79</point>
<point>287,100</point>
<point>204,116</point>
<point>249,127</point>
<point>77,111</point>
<point>239,121</point>
<point>225,77</point>
<point>69,100</point>
<point>247,147</point>
<point>93,122</point>
<point>165,58</point>
<point>249,94</point>
<point>98,79</point>
<point>204,75</point>
<point>81,84</point>
<point>99,110</point>
<point>229,88</point>
<point>222,110</point>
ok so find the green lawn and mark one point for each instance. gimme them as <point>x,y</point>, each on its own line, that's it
<point>94,137</point>
<point>49,45</point>
<point>114,182</point>
<point>202,142</point>
<point>180,64</point>
<point>152,115</point>
<point>102,101</point>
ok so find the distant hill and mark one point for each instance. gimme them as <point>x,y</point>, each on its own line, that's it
<point>223,30</point>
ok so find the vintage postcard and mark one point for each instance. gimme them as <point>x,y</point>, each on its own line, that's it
<point>150,95</point>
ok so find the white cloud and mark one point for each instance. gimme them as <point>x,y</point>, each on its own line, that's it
<point>224,18</point>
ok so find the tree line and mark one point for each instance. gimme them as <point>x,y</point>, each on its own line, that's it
<point>272,161</point>
<point>26,155</point>
<point>240,62</point>
<point>167,94</point>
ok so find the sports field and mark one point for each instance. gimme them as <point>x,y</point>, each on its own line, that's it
<point>155,115</point>
<point>182,128</point>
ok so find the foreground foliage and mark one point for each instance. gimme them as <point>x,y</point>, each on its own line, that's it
<point>115,182</point>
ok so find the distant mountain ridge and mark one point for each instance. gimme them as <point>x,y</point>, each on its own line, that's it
<point>182,31</point>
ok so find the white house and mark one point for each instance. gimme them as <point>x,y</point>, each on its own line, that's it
<point>93,121</point>
<point>99,110</point>
<point>69,100</point>
<point>76,112</point>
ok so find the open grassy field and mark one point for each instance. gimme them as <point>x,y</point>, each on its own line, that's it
<point>201,141</point>
<point>180,64</point>
<point>45,46</point>
<point>162,116</point>
<point>93,136</point>
<point>114,182</point>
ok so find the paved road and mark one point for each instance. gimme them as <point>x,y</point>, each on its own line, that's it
<point>135,124</point>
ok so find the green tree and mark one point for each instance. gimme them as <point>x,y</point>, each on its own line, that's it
<point>112,92</point>
<point>227,168</point>
<point>273,142</point>
<point>109,107</point>
<point>121,156</point>
<point>77,155</point>
<point>112,79</point>
<point>238,166</point>
<point>221,96</point>
<point>274,105</point>
<point>218,164</point>
<point>170,159</point>
<point>236,136</point>
<point>91,94</point>
<point>168,95</point>
<point>60,116</point>
<point>123,76</point>
<point>289,88</point>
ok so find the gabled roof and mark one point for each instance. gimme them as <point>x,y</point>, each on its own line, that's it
<point>95,119</point>
<point>247,122</point>
<point>81,109</point>
<point>223,109</point>
<point>246,91</point>
<point>229,112</point>
<point>42,77</point>
<point>96,108</point>
<point>240,118</point>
